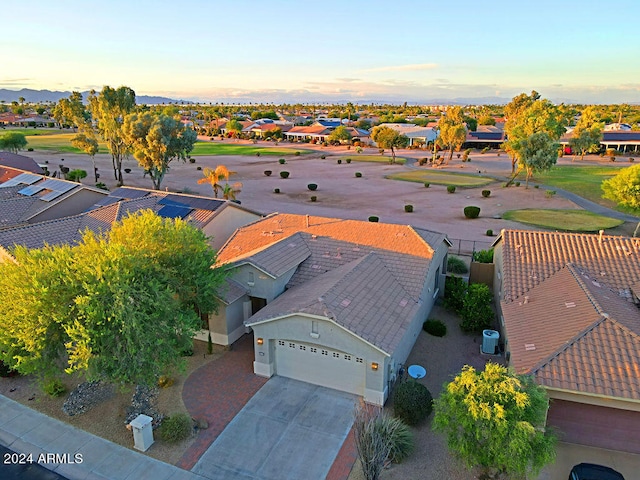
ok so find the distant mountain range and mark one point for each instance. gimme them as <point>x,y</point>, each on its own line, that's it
<point>40,96</point>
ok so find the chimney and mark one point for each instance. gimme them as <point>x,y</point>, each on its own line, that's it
<point>600,233</point>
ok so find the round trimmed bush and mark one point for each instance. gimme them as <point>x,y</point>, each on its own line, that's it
<point>312,186</point>
<point>486,193</point>
<point>314,198</point>
<point>276,190</point>
<point>282,161</point>
<point>339,161</point>
<point>451,188</point>
<point>268,173</point>
<point>517,184</point>
<point>193,160</point>
<point>373,218</point>
<point>284,174</point>
<point>456,265</point>
<point>408,208</point>
<point>198,167</point>
<point>297,154</point>
<point>471,211</point>
<point>257,154</point>
<point>176,428</point>
<point>358,174</point>
<point>489,233</point>
<point>348,160</point>
<point>435,328</point>
<point>412,402</point>
<point>426,184</point>
<point>323,157</point>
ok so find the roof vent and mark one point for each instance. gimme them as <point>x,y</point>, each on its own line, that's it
<point>596,283</point>
<point>403,302</point>
<point>529,347</point>
<point>569,304</point>
<point>315,266</point>
<point>600,234</point>
<point>345,302</point>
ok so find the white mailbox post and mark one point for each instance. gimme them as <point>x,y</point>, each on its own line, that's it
<point>142,432</point>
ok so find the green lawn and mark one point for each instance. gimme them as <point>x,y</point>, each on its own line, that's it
<point>583,180</point>
<point>442,178</point>
<point>570,220</point>
<point>372,158</point>
<point>58,143</point>
<point>217,148</point>
<point>31,132</point>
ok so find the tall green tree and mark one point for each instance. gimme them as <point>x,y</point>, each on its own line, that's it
<point>70,111</point>
<point>452,130</point>
<point>587,133</point>
<point>513,112</point>
<point>86,141</point>
<point>13,141</point>
<point>624,188</point>
<point>108,109</point>
<point>386,137</point>
<point>340,134</point>
<point>234,127</point>
<point>537,153</point>
<point>157,140</point>
<point>495,419</point>
<point>117,306</point>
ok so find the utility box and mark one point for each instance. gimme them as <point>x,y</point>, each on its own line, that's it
<point>490,341</point>
<point>142,432</point>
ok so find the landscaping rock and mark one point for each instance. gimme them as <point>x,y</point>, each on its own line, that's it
<point>87,395</point>
<point>144,401</point>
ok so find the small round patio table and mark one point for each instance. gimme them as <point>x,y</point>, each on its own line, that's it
<point>416,371</point>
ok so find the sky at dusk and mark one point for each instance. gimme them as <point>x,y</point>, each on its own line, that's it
<point>330,51</point>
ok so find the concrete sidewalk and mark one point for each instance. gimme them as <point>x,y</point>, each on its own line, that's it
<point>26,431</point>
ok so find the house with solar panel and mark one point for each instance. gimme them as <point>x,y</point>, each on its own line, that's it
<point>27,197</point>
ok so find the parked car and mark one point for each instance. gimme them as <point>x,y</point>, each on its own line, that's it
<point>590,471</point>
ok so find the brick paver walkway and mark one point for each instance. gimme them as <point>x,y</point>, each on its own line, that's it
<point>345,459</point>
<point>216,392</point>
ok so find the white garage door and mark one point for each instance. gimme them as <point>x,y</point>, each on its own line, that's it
<point>320,366</point>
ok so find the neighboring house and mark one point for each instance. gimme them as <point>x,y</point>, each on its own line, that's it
<point>622,139</point>
<point>416,133</point>
<point>332,302</point>
<point>568,306</point>
<point>27,197</point>
<point>485,136</point>
<point>306,134</point>
<point>20,162</point>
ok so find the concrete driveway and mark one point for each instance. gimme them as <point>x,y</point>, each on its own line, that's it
<point>288,430</point>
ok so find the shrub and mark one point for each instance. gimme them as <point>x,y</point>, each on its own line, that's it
<point>455,289</point>
<point>451,188</point>
<point>426,184</point>
<point>339,161</point>
<point>297,154</point>
<point>176,428</point>
<point>30,149</point>
<point>484,150</point>
<point>536,186</point>
<point>193,160</point>
<point>312,186</point>
<point>165,381</point>
<point>314,198</point>
<point>489,233</point>
<point>381,151</point>
<point>412,402</point>
<point>282,161</point>
<point>284,174</point>
<point>471,211</point>
<point>323,157</point>
<point>53,388</point>
<point>631,159</point>
<point>358,174</point>
<point>435,328</point>
<point>127,170</point>
<point>483,256</point>
<point>257,154</point>
<point>268,173</point>
<point>476,312</point>
<point>486,193</point>
<point>276,190</point>
<point>102,186</point>
<point>398,435</point>
<point>517,184</point>
<point>359,149</point>
<point>77,175</point>
<point>408,208</point>
<point>373,218</point>
<point>198,167</point>
<point>456,265</point>
<point>6,371</point>
<point>348,160</point>
<point>549,193</point>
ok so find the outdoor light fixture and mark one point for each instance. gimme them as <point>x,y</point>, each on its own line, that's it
<point>260,341</point>
<point>374,366</point>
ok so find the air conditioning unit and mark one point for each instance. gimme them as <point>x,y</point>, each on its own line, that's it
<point>490,341</point>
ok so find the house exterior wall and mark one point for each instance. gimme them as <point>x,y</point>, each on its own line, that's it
<point>74,204</point>
<point>298,328</point>
<point>227,325</point>
<point>259,284</point>
<point>225,223</point>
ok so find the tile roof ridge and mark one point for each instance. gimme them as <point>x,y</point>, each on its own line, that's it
<point>243,256</point>
<point>243,227</point>
<point>420,238</point>
<point>583,286</point>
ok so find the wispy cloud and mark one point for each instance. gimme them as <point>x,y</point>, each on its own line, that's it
<point>15,81</point>
<point>412,67</point>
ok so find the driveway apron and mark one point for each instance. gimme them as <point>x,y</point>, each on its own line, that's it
<point>288,430</point>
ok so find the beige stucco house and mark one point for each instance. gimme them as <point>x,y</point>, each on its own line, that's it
<point>332,302</point>
<point>568,306</point>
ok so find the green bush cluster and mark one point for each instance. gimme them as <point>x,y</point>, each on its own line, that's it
<point>484,256</point>
<point>348,160</point>
<point>426,184</point>
<point>471,211</point>
<point>358,174</point>
<point>268,173</point>
<point>53,387</point>
<point>451,188</point>
<point>176,428</point>
<point>476,312</point>
<point>412,402</point>
<point>549,193</point>
<point>408,208</point>
<point>282,161</point>
<point>373,218</point>
<point>486,193</point>
<point>399,436</point>
<point>314,198</point>
<point>489,233</point>
<point>456,265</point>
<point>435,328</point>
<point>312,186</point>
<point>339,161</point>
<point>297,154</point>
<point>455,289</point>
<point>323,157</point>
<point>284,174</point>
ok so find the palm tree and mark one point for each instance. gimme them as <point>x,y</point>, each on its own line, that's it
<point>214,177</point>
<point>229,192</point>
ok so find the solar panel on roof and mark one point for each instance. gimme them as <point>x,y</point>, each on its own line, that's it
<point>58,185</point>
<point>31,190</point>
<point>173,211</point>
<point>108,200</point>
<point>195,202</point>
<point>124,192</point>
<point>168,201</point>
<point>23,178</point>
